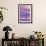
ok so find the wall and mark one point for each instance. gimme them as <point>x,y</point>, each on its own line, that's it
<point>11,18</point>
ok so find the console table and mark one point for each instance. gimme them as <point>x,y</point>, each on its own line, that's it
<point>23,42</point>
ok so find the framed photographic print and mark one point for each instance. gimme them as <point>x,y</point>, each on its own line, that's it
<point>24,13</point>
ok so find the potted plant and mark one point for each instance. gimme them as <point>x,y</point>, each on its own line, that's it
<point>1,15</point>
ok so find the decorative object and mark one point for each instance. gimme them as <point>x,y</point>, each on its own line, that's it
<point>39,34</point>
<point>1,15</point>
<point>13,36</point>
<point>32,37</point>
<point>24,13</point>
<point>7,28</point>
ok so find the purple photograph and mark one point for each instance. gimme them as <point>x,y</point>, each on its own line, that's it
<point>25,13</point>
